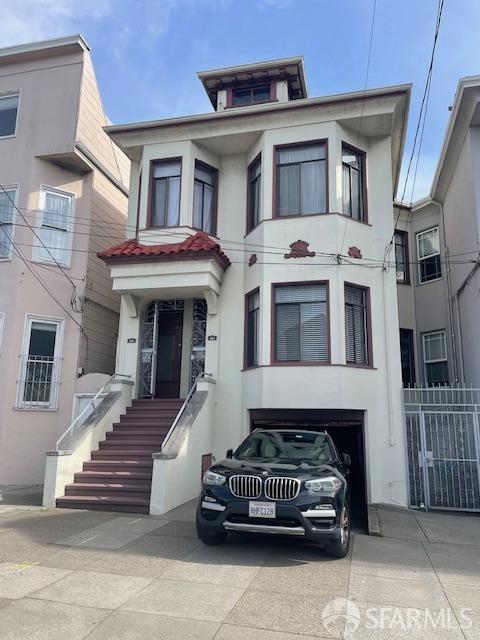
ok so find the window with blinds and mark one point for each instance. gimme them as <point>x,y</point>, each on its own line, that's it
<point>301,180</point>
<point>301,323</point>
<point>166,193</point>
<point>356,329</point>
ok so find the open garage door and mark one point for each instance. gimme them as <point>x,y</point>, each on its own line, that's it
<point>345,428</point>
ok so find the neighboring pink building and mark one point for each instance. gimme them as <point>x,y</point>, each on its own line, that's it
<point>63,197</point>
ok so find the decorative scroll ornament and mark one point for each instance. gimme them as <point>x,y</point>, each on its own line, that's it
<point>354,252</point>
<point>199,330</point>
<point>253,260</point>
<point>299,249</point>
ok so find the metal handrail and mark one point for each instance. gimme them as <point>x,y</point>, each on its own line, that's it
<point>90,405</point>
<point>184,406</point>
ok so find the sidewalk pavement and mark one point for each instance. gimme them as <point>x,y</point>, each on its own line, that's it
<point>104,576</point>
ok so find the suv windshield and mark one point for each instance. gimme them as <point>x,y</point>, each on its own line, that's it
<point>288,446</point>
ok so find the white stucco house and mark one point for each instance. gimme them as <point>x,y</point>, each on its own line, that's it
<point>251,291</point>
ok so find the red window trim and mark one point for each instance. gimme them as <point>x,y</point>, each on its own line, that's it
<point>363,171</point>
<point>273,328</point>
<point>149,219</point>
<point>247,367</point>
<point>300,143</point>
<point>368,310</point>
<point>209,167</point>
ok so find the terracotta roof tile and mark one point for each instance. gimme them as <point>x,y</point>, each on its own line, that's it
<point>199,243</point>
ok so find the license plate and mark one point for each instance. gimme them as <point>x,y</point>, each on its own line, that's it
<point>262,510</point>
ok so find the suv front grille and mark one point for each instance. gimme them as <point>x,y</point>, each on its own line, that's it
<point>282,488</point>
<point>246,486</point>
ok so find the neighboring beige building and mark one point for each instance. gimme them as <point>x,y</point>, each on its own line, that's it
<point>63,197</point>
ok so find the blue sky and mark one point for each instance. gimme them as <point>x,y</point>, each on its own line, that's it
<point>146,52</point>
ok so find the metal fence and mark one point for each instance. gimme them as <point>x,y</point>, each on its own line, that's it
<point>443,447</point>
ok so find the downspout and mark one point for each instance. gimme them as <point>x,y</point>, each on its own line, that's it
<point>453,336</point>
<point>456,300</point>
<point>387,360</point>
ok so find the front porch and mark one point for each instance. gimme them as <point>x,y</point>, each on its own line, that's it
<point>141,445</point>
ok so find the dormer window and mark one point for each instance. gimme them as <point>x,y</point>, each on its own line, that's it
<point>243,96</point>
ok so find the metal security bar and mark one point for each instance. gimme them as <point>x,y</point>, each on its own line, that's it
<point>38,384</point>
<point>443,447</point>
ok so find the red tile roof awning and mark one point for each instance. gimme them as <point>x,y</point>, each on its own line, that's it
<point>198,246</point>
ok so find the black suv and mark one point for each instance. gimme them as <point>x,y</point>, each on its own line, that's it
<point>281,481</point>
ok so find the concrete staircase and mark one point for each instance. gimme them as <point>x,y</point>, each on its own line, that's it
<point>118,477</point>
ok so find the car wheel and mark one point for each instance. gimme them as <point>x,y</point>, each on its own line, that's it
<point>339,548</point>
<point>207,536</point>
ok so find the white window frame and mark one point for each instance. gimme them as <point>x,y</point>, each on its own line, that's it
<point>37,245</point>
<point>431,255</point>
<point>9,94</point>
<point>52,405</point>
<point>11,187</point>
<point>2,325</point>
<point>425,361</point>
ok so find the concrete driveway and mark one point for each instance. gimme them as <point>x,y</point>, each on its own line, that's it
<point>77,574</point>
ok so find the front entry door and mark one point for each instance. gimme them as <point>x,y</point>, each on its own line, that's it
<point>169,354</point>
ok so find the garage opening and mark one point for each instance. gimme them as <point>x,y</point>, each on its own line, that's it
<point>346,430</point>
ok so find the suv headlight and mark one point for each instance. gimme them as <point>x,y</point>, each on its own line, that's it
<point>211,477</point>
<point>329,485</point>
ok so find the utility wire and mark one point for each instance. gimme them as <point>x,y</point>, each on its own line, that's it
<point>423,104</point>
<point>372,26</point>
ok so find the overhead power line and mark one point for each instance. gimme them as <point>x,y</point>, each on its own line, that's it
<point>421,118</point>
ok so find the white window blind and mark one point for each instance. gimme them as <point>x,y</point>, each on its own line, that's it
<point>301,180</point>
<point>301,323</point>
<point>355,325</point>
<point>7,209</point>
<point>55,228</point>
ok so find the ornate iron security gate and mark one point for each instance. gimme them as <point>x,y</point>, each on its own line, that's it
<point>443,447</point>
<point>148,343</point>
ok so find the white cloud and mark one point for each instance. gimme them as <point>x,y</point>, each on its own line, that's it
<point>30,20</point>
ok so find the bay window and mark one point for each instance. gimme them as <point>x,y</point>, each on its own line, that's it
<point>55,224</point>
<point>166,176</point>
<point>204,198</point>
<point>301,331</point>
<point>301,176</point>
<point>254,193</point>
<point>356,325</point>
<point>252,337</point>
<point>428,253</point>
<point>353,178</point>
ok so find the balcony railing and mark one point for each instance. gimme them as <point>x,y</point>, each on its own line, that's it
<point>39,381</point>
